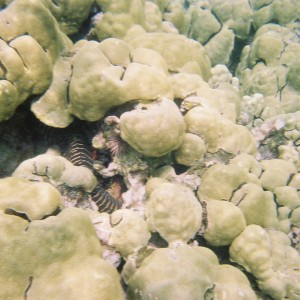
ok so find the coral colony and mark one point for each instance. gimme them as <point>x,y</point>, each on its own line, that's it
<point>149,150</point>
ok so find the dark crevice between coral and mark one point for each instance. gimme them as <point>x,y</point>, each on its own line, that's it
<point>297,142</point>
<point>279,92</point>
<point>54,2</point>
<point>268,147</point>
<point>17,51</point>
<point>16,37</point>
<point>290,178</point>
<point>204,224</point>
<point>179,169</point>
<point>2,66</point>
<point>235,190</point>
<point>209,293</point>
<point>221,251</point>
<point>68,86</point>
<point>241,200</point>
<point>123,74</point>
<point>157,240</point>
<point>85,30</point>
<point>214,33</point>
<point>186,4</point>
<point>255,118</point>
<point>262,5</point>
<point>258,61</point>
<point>21,137</point>
<point>56,211</point>
<point>238,47</point>
<point>30,280</point>
<point>13,212</point>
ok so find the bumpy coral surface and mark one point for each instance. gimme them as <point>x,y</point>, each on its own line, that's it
<point>184,114</point>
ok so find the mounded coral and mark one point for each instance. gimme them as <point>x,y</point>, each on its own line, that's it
<point>270,258</point>
<point>129,232</point>
<point>231,283</point>
<point>219,132</point>
<point>182,55</point>
<point>118,16</point>
<point>215,24</point>
<point>140,129</point>
<point>284,170</point>
<point>220,181</point>
<point>200,155</point>
<point>56,170</point>
<point>70,14</point>
<point>191,149</point>
<point>59,256</point>
<point>247,190</point>
<point>269,65</point>
<point>28,51</point>
<point>32,199</point>
<point>268,11</point>
<point>114,75</point>
<point>51,107</point>
<point>200,276</point>
<point>193,282</point>
<point>167,208</point>
<point>225,222</point>
<point>252,199</point>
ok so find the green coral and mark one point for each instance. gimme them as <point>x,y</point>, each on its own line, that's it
<point>70,14</point>
<point>114,75</point>
<point>269,66</point>
<point>236,184</point>
<point>192,282</point>
<point>231,283</point>
<point>34,199</point>
<point>30,44</point>
<point>118,17</point>
<point>257,205</point>
<point>51,107</point>
<point>201,276</point>
<point>56,170</point>
<point>167,208</point>
<point>198,155</point>
<point>288,200</point>
<point>284,170</point>
<point>225,222</point>
<point>219,182</point>
<point>139,128</point>
<point>129,232</point>
<point>191,149</point>
<point>181,53</point>
<point>268,11</point>
<point>219,132</point>
<point>59,256</point>
<point>270,258</point>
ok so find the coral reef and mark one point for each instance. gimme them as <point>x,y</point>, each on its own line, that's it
<point>149,149</point>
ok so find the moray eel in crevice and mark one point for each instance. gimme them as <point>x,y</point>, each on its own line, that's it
<point>75,145</point>
<point>23,136</point>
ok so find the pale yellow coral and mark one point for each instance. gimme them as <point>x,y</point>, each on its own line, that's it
<point>34,199</point>
<point>153,129</point>
<point>167,210</point>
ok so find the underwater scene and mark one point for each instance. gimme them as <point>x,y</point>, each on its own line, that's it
<point>149,149</point>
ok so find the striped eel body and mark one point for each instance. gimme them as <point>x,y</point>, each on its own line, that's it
<point>76,147</point>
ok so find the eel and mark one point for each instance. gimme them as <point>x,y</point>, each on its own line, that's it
<point>75,145</point>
